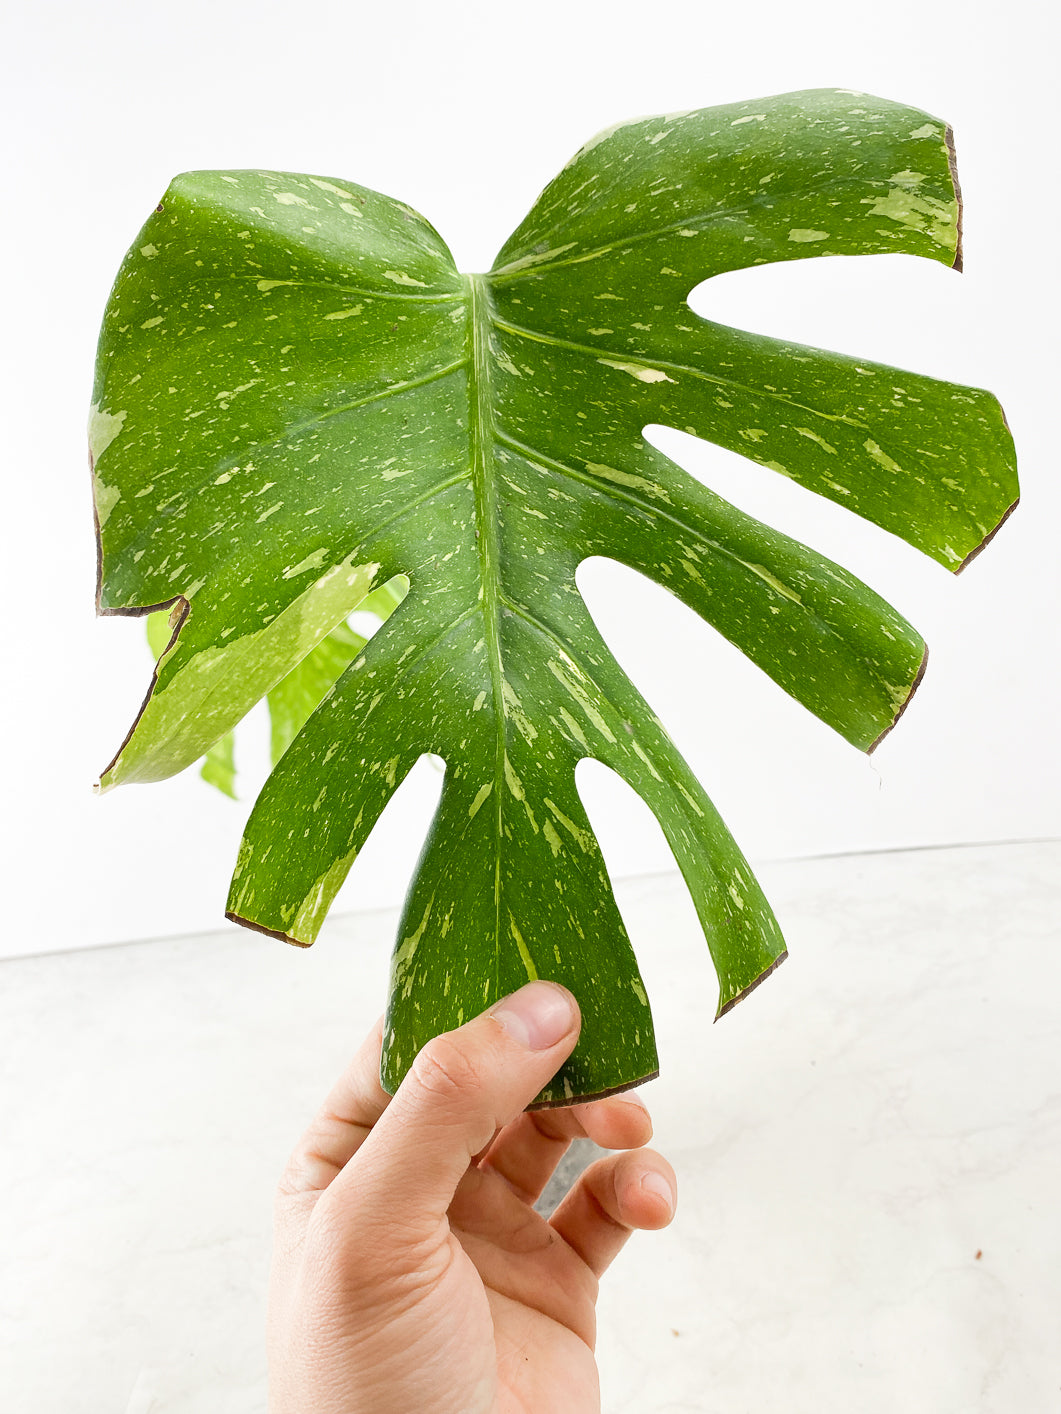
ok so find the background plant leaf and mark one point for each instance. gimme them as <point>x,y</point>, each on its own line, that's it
<point>294,697</point>
<point>298,397</point>
<point>218,766</point>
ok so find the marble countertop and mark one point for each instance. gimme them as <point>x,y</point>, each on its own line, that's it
<point>868,1152</point>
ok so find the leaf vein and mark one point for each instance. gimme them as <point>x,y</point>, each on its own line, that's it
<point>409,296</point>
<point>625,355</point>
<point>549,464</point>
<point>704,218</point>
<point>286,433</point>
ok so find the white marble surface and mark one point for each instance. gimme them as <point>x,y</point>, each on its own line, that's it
<point>869,1152</point>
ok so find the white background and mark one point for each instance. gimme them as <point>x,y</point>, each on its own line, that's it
<point>465,111</point>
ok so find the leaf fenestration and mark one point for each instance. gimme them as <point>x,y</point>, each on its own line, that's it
<point>298,398</point>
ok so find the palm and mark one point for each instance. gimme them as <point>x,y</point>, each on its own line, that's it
<point>516,1298</point>
<point>530,1296</point>
<point>541,1363</point>
<point>383,1300</point>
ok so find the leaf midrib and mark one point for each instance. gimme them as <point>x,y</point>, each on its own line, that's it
<point>481,439</point>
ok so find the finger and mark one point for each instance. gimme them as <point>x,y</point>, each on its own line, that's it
<point>462,1088</point>
<point>339,1128</point>
<point>610,1200</point>
<point>527,1152</point>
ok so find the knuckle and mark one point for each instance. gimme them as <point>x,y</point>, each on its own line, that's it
<point>329,1233</point>
<point>307,1172</point>
<point>443,1072</point>
<point>601,1185</point>
<point>291,1184</point>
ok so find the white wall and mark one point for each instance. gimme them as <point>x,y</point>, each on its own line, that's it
<point>465,111</point>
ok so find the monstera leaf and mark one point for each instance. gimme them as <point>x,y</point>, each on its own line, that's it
<point>299,398</point>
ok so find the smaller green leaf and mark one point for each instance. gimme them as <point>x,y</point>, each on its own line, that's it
<point>384,600</point>
<point>159,631</point>
<point>296,696</point>
<point>293,698</point>
<point>219,765</point>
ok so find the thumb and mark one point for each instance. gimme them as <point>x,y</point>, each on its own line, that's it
<point>462,1088</point>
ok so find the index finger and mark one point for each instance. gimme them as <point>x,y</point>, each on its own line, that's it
<point>353,1105</point>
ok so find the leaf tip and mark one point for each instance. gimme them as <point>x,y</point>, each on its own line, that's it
<point>988,537</point>
<point>179,610</point>
<point>906,703</point>
<point>751,985</point>
<point>261,928</point>
<point>566,1102</point>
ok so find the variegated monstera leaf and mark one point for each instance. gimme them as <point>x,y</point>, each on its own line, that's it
<point>299,398</point>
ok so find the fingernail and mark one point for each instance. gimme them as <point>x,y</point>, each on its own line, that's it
<point>655,1183</point>
<point>537,1016</point>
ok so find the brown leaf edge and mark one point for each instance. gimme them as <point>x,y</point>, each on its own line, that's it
<point>752,985</point>
<point>952,158</point>
<point>178,606</point>
<point>906,703</point>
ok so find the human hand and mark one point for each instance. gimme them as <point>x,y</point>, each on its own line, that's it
<point>411,1274</point>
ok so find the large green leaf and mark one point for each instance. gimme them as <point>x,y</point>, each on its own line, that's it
<point>298,397</point>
